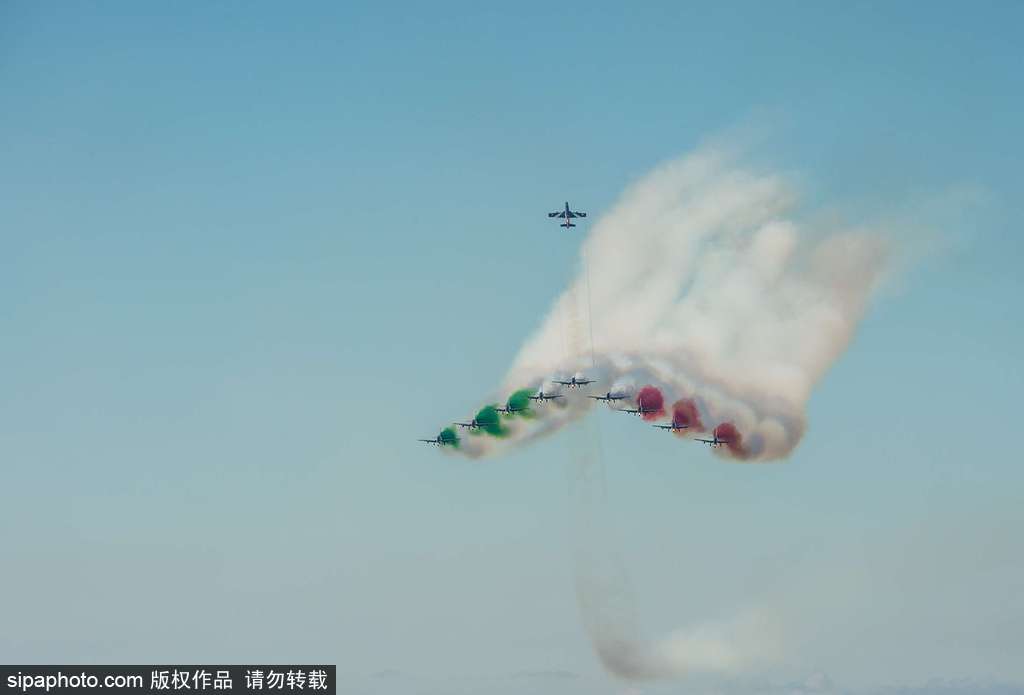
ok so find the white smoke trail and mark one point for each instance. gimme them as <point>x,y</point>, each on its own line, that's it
<point>606,600</point>
<point>705,284</point>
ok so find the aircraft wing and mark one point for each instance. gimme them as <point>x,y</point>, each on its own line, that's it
<point>560,213</point>
<point>579,214</point>
<point>563,383</point>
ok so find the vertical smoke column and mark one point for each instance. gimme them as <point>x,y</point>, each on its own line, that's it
<point>602,586</point>
<point>603,591</point>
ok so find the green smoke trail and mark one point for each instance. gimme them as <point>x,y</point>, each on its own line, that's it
<point>450,436</point>
<point>520,401</point>
<point>489,422</point>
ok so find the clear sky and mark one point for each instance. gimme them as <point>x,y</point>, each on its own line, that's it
<point>252,251</point>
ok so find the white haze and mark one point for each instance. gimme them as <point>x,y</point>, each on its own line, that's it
<point>703,282</point>
<point>748,639</point>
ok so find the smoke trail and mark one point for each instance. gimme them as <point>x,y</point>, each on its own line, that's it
<point>705,288</point>
<point>651,403</point>
<point>606,600</point>
<point>706,285</point>
<point>519,403</point>
<point>728,433</point>
<point>449,436</point>
<point>685,414</point>
<point>489,422</point>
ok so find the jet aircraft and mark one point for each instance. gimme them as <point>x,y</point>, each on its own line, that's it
<point>608,397</point>
<point>540,396</point>
<point>442,439</point>
<point>473,424</point>
<point>714,441</point>
<point>567,215</point>
<point>674,427</point>
<point>639,410</point>
<point>574,382</point>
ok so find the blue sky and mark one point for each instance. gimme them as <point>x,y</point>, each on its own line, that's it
<point>252,251</point>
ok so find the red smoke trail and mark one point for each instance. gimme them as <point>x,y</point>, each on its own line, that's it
<point>684,414</point>
<point>728,433</point>
<point>651,400</point>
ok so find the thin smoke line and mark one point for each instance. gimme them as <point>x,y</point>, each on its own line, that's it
<point>590,304</point>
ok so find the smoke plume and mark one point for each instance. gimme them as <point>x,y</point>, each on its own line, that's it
<point>685,414</point>
<point>704,283</point>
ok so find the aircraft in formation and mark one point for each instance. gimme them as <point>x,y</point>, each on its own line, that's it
<point>608,397</point>
<point>448,438</point>
<point>574,382</point>
<point>567,215</point>
<point>443,439</point>
<point>540,396</point>
<point>473,424</point>
<point>639,411</point>
<point>714,441</point>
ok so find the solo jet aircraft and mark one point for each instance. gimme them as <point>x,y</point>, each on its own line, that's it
<point>567,215</point>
